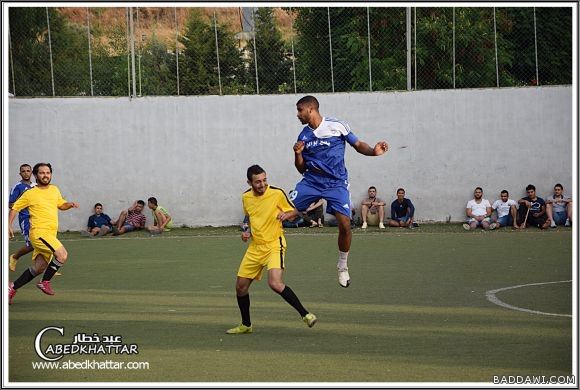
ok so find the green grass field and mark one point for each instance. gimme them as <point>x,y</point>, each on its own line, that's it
<point>416,310</point>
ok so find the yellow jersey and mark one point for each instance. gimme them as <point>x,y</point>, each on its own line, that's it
<point>43,206</point>
<point>263,212</point>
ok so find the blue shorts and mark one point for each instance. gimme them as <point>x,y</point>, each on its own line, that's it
<point>404,218</point>
<point>25,229</point>
<point>506,220</point>
<point>128,227</point>
<point>560,218</point>
<point>334,191</point>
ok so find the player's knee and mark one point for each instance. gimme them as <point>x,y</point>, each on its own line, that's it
<point>61,255</point>
<point>242,290</point>
<point>276,285</point>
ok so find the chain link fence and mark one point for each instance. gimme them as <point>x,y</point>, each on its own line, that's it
<point>221,51</point>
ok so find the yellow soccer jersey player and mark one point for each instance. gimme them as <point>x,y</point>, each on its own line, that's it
<point>43,203</point>
<point>267,207</point>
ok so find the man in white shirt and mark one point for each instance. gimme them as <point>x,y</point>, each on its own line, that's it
<point>506,210</point>
<point>478,212</point>
<point>559,207</point>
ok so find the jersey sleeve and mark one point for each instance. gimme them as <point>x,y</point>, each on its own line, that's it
<point>22,202</point>
<point>14,194</point>
<point>284,203</point>
<point>60,201</point>
<point>91,222</point>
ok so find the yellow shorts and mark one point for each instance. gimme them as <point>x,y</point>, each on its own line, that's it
<point>44,243</point>
<point>259,256</point>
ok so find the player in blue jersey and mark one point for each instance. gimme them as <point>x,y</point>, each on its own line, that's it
<point>319,157</point>
<point>23,215</point>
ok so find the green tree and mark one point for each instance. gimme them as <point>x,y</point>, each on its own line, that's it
<point>274,62</point>
<point>158,69</point>
<point>199,73</point>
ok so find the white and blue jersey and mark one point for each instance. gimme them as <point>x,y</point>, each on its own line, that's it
<point>326,176</point>
<point>324,149</point>
<point>23,215</point>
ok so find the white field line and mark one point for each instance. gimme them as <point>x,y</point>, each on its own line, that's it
<point>490,295</point>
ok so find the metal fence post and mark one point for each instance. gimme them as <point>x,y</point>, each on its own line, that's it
<point>495,40</point>
<point>90,52</point>
<point>134,83</point>
<point>536,48</point>
<point>293,56</point>
<point>140,51</point>
<point>128,54</point>
<point>11,61</point>
<point>217,51</point>
<point>409,49</point>
<point>176,48</point>
<point>330,46</point>
<point>453,47</point>
<point>369,44</point>
<point>50,51</point>
<point>415,51</point>
<point>255,49</point>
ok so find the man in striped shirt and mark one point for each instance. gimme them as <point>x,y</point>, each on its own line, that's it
<point>130,219</point>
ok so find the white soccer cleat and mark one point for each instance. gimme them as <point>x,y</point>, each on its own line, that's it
<point>364,225</point>
<point>381,226</point>
<point>567,223</point>
<point>343,277</point>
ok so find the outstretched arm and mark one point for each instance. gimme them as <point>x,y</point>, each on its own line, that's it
<point>363,148</point>
<point>68,205</point>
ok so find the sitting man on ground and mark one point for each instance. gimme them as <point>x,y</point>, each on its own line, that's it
<point>402,211</point>
<point>506,210</point>
<point>478,212</point>
<point>99,223</point>
<point>533,212</point>
<point>373,209</point>
<point>130,219</point>
<point>316,213</point>
<point>559,207</point>
<point>162,219</point>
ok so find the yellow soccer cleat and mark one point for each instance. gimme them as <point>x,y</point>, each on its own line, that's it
<point>13,262</point>
<point>310,319</point>
<point>240,329</point>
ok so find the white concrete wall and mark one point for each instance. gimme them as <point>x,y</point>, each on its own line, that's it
<point>192,152</point>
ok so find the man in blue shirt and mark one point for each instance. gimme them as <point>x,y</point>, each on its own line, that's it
<point>99,223</point>
<point>319,157</point>
<point>402,211</point>
<point>534,208</point>
<point>23,215</point>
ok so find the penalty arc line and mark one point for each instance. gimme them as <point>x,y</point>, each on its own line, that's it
<point>490,295</point>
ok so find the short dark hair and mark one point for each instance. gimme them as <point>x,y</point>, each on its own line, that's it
<point>400,189</point>
<point>530,187</point>
<point>38,165</point>
<point>372,188</point>
<point>504,192</point>
<point>97,204</point>
<point>152,200</point>
<point>24,165</point>
<point>308,99</point>
<point>559,185</point>
<point>254,170</point>
<point>141,202</point>
<point>479,188</point>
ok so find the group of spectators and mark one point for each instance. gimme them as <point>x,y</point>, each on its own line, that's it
<point>530,210</point>
<point>129,220</point>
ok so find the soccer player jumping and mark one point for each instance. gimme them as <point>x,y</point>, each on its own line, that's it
<point>319,157</point>
<point>43,202</point>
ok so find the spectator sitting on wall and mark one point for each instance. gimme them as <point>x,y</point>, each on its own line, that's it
<point>559,207</point>
<point>533,212</point>
<point>506,210</point>
<point>373,209</point>
<point>162,221</point>
<point>402,211</point>
<point>478,212</point>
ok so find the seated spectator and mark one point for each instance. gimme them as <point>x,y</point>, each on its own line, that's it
<point>506,210</point>
<point>478,212</point>
<point>161,219</point>
<point>559,207</point>
<point>402,211</point>
<point>99,223</point>
<point>372,210</point>
<point>315,212</point>
<point>532,210</point>
<point>130,219</point>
